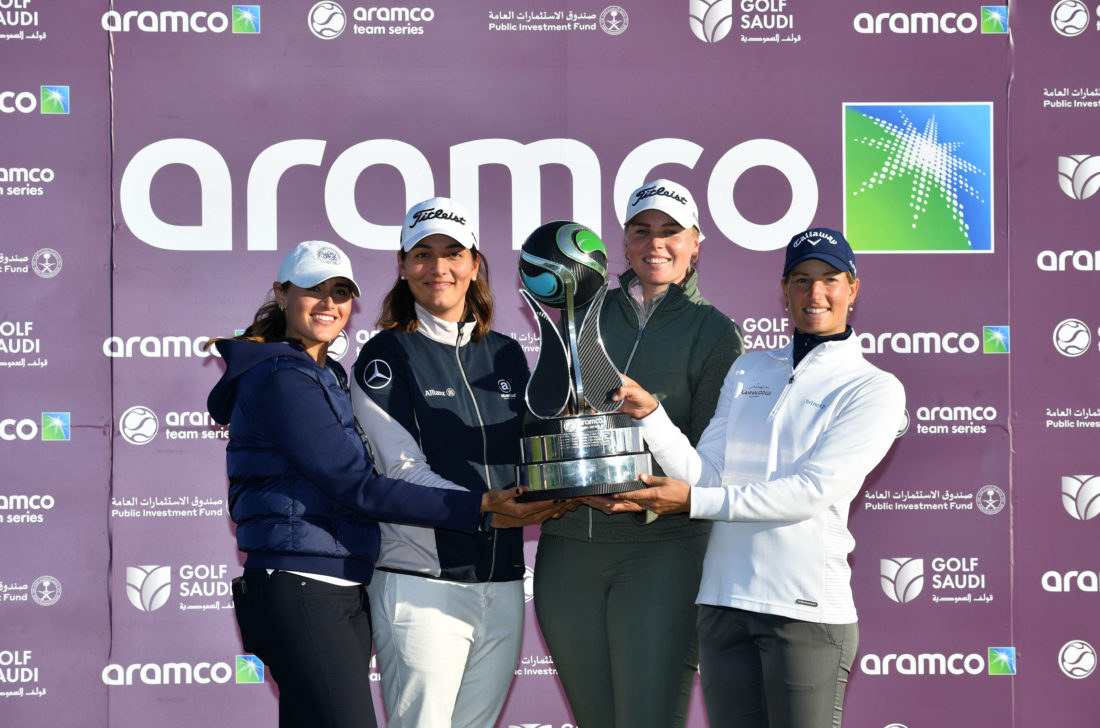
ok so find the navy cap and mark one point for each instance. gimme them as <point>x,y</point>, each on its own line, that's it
<point>822,244</point>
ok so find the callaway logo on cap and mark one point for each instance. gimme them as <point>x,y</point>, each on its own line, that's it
<point>822,244</point>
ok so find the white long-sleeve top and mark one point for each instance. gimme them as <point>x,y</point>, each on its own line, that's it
<point>778,467</point>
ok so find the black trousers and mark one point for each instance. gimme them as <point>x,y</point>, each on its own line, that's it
<point>315,639</point>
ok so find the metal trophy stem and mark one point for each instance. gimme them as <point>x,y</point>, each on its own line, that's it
<point>571,450</point>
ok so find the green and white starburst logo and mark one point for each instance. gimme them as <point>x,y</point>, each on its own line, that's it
<point>995,19</point>
<point>55,426</point>
<point>246,18</point>
<point>995,340</point>
<point>54,99</point>
<point>1002,660</point>
<point>250,670</point>
<point>918,177</point>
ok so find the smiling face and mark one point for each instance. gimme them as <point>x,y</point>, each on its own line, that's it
<point>818,296</point>
<point>659,250</point>
<point>439,271</point>
<point>315,316</point>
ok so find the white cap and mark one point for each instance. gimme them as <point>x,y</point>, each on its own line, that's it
<point>438,216</point>
<point>313,262</point>
<point>668,197</point>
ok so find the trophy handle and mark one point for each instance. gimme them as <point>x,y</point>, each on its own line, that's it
<point>597,372</point>
<point>548,389</point>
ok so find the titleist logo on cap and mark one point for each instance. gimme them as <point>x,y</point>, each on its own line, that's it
<point>814,238</point>
<point>653,191</point>
<point>433,213</point>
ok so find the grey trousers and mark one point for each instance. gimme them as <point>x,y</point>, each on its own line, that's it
<point>619,619</point>
<point>766,671</point>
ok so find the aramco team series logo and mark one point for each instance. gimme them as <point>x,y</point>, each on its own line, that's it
<point>1069,17</point>
<point>148,587</point>
<point>1077,659</point>
<point>327,20</point>
<point>1072,337</point>
<point>138,425</point>
<point>918,178</point>
<point>902,579</point>
<point>1079,175</point>
<point>1081,496</point>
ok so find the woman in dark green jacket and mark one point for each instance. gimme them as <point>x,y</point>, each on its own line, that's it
<point>615,595</point>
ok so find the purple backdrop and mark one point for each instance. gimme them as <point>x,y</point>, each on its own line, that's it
<point>156,162</point>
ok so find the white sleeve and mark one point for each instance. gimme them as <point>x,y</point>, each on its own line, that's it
<point>832,469</point>
<point>394,450</point>
<point>699,466</point>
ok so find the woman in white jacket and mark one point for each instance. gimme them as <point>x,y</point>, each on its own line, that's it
<point>795,433</point>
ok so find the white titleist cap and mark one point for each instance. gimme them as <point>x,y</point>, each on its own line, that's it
<point>438,216</point>
<point>313,262</point>
<point>668,197</point>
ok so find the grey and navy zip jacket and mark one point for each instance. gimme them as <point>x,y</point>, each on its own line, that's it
<point>439,409</point>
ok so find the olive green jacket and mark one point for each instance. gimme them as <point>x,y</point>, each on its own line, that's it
<point>680,353</point>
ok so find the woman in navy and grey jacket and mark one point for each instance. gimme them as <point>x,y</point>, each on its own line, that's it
<point>438,395</point>
<point>304,495</point>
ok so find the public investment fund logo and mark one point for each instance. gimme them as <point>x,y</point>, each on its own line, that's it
<point>711,20</point>
<point>1081,496</point>
<point>902,579</point>
<point>918,177</point>
<point>614,20</point>
<point>46,591</point>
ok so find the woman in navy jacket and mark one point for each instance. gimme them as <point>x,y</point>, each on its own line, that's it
<point>304,495</point>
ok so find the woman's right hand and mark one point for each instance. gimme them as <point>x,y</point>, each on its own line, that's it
<point>508,513</point>
<point>637,402</point>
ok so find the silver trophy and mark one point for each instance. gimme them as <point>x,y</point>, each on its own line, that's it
<point>579,445</point>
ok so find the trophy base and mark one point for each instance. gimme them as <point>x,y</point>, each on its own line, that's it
<point>567,457</point>
<point>576,492</point>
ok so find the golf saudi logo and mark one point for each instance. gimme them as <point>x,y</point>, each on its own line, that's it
<point>918,177</point>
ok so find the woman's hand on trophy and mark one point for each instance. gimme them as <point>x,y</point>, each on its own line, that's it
<point>508,513</point>
<point>664,495</point>
<point>540,511</point>
<point>637,402</point>
<point>608,505</point>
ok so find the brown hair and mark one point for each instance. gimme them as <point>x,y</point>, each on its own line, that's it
<point>399,312</point>
<point>268,326</point>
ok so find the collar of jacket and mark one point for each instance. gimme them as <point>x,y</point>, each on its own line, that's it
<point>849,347</point>
<point>451,333</point>
<point>675,293</point>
